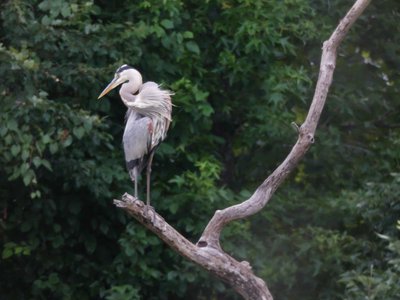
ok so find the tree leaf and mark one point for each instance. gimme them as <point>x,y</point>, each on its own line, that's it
<point>79,132</point>
<point>7,253</point>
<point>167,24</point>
<point>90,243</point>
<point>15,149</point>
<point>193,47</point>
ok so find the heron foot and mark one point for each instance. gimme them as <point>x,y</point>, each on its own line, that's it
<point>125,197</point>
<point>150,213</point>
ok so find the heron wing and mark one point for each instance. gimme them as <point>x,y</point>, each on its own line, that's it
<point>137,141</point>
<point>155,103</point>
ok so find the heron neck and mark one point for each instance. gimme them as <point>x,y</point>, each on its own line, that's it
<point>128,90</point>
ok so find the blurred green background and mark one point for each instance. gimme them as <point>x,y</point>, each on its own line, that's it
<point>241,71</point>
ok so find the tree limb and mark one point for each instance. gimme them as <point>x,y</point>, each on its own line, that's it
<point>207,252</point>
<point>264,192</point>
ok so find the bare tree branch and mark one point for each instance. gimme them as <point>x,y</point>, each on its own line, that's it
<point>264,192</point>
<point>207,252</point>
<point>238,274</point>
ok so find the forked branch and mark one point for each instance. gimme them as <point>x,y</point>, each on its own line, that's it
<point>207,252</point>
<point>264,192</point>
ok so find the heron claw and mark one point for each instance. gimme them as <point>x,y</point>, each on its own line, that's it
<point>147,213</point>
<point>125,197</point>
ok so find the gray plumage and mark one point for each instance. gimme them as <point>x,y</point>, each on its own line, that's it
<point>136,141</point>
<point>147,120</point>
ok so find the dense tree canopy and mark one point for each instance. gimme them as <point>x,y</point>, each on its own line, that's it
<point>241,71</point>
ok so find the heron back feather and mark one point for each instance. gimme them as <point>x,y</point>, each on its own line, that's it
<point>137,141</point>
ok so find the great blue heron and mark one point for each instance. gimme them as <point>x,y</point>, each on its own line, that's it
<point>147,120</point>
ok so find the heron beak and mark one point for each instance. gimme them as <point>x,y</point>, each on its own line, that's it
<point>113,84</point>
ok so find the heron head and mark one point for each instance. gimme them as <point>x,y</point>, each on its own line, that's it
<point>123,74</point>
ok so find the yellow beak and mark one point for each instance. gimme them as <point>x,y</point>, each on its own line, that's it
<point>113,84</point>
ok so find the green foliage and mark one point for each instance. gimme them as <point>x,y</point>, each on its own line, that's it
<point>371,283</point>
<point>377,278</point>
<point>121,293</point>
<point>241,71</point>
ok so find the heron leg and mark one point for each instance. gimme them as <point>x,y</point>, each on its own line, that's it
<point>136,185</point>
<point>148,174</point>
<point>134,177</point>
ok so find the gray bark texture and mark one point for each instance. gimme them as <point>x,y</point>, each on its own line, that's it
<point>208,253</point>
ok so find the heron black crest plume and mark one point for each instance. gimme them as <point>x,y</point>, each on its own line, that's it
<point>147,120</point>
<point>123,68</point>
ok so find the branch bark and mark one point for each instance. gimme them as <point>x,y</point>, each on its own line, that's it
<point>208,252</point>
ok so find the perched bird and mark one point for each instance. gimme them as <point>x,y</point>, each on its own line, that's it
<point>147,120</point>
